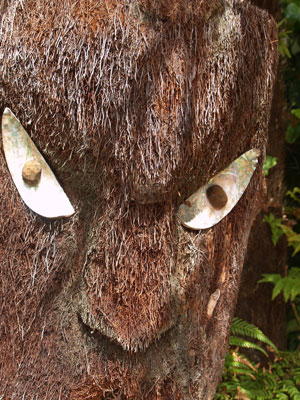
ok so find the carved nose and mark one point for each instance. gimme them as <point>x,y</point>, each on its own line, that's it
<point>127,292</point>
<point>132,326</point>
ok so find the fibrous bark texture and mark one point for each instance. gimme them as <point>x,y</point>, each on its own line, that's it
<point>254,301</point>
<point>271,5</point>
<point>135,105</point>
<point>262,256</point>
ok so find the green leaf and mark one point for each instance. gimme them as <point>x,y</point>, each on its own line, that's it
<point>292,237</point>
<point>295,194</point>
<point>292,326</point>
<point>292,12</point>
<point>292,133</point>
<point>276,279</point>
<point>275,225</point>
<point>272,278</point>
<point>296,112</point>
<point>278,288</point>
<point>288,285</point>
<point>281,23</point>
<point>283,49</point>
<point>269,163</point>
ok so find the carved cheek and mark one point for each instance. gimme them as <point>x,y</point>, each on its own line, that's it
<point>36,256</point>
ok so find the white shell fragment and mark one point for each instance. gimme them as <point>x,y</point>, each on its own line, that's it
<point>212,202</point>
<point>44,194</point>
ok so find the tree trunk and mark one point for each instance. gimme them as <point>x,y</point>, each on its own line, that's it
<point>3,5</point>
<point>135,105</point>
<point>262,256</point>
<point>272,6</point>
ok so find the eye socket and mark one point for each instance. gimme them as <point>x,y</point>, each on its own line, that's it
<point>32,176</point>
<point>213,201</point>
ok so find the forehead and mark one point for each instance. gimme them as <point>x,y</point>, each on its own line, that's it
<point>137,95</point>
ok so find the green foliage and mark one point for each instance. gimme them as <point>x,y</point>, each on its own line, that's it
<point>293,129</point>
<point>280,379</point>
<point>289,47</point>
<point>292,237</point>
<point>292,133</point>
<point>294,194</point>
<point>288,285</point>
<point>293,12</point>
<point>283,36</point>
<point>244,380</point>
<point>239,342</point>
<point>275,225</point>
<point>268,164</point>
<point>296,112</point>
<point>244,328</point>
<point>289,28</point>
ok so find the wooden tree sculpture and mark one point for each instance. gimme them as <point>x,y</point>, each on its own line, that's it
<point>134,104</point>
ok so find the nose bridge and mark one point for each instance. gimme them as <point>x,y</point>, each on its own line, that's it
<point>127,230</point>
<point>152,167</point>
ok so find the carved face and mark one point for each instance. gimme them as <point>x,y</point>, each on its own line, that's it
<point>133,112</point>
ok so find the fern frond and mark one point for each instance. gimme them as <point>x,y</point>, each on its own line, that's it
<point>254,390</point>
<point>241,359</point>
<point>242,379</point>
<point>280,372</point>
<point>291,389</point>
<point>269,380</point>
<point>222,396</point>
<point>239,342</point>
<point>238,365</point>
<point>243,371</point>
<point>296,375</point>
<point>243,328</point>
<point>281,396</point>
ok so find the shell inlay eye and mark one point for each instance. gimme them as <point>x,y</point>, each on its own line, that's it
<point>212,202</point>
<point>216,196</point>
<point>31,174</point>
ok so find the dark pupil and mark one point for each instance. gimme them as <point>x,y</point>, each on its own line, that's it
<point>216,196</point>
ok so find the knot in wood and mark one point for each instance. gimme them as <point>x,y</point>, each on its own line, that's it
<point>31,172</point>
<point>217,196</point>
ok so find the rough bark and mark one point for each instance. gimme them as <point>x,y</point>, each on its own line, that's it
<point>271,5</point>
<point>3,5</point>
<point>134,105</point>
<point>254,302</point>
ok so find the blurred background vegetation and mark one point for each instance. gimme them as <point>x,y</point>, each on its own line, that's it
<point>263,361</point>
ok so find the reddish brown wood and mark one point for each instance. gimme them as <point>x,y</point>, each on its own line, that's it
<point>254,303</point>
<point>134,107</point>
